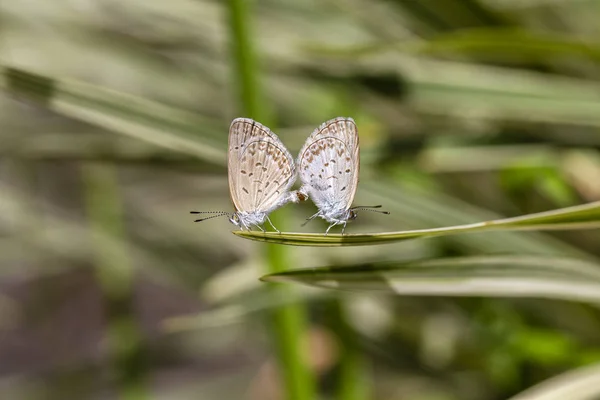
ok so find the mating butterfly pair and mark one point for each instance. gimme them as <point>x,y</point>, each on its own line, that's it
<point>262,172</point>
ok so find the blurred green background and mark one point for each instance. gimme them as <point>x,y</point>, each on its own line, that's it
<point>113,126</point>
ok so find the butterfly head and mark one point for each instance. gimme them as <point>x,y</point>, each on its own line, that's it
<point>352,214</point>
<point>235,219</point>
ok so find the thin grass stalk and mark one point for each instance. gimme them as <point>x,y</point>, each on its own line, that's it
<point>289,321</point>
<point>353,377</point>
<point>115,276</point>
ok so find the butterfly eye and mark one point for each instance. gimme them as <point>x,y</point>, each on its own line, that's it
<point>352,215</point>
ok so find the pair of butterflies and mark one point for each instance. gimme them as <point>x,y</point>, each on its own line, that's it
<point>262,171</point>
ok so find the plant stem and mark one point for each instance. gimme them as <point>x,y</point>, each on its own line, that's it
<point>289,322</point>
<point>352,379</point>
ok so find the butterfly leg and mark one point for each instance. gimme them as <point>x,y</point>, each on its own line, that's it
<point>261,228</point>
<point>273,226</point>
<point>344,227</point>
<point>330,226</point>
<point>311,218</point>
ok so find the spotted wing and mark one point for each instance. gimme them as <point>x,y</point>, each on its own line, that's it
<point>329,162</point>
<point>261,169</point>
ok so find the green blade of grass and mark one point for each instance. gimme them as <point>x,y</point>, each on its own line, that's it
<point>496,93</point>
<point>489,276</point>
<point>420,207</point>
<point>577,384</point>
<point>121,113</point>
<point>510,43</point>
<point>584,216</point>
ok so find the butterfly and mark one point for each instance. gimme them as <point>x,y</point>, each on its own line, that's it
<point>261,172</point>
<point>328,166</point>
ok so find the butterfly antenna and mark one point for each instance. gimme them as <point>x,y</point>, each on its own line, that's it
<point>370,208</point>
<point>219,214</point>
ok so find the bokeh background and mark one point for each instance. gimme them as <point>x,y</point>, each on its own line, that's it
<point>113,126</point>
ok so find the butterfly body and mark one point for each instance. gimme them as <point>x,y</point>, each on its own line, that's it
<point>330,209</point>
<point>245,220</point>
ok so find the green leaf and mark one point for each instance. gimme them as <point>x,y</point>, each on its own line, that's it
<point>577,217</point>
<point>490,276</point>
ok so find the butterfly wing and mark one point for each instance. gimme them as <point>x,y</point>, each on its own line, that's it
<point>329,164</point>
<point>261,169</point>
